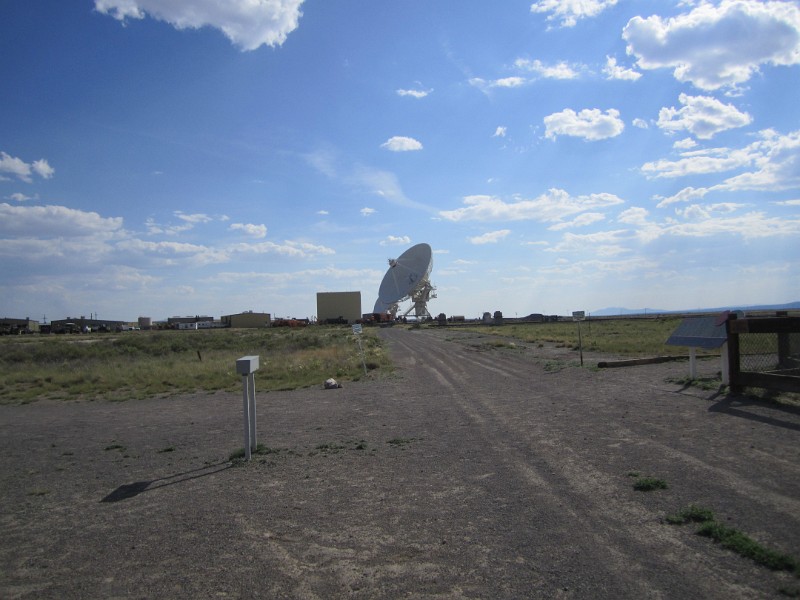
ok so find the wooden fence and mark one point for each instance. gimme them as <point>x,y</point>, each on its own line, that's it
<point>764,352</point>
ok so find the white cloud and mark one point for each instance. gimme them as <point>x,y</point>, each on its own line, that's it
<point>323,212</point>
<point>569,11</point>
<point>249,24</point>
<point>698,162</point>
<point>249,229</point>
<point>55,221</point>
<point>684,144</point>
<point>500,131</point>
<point>289,248</point>
<point>414,93</point>
<point>716,46</point>
<point>702,116</point>
<point>194,219</point>
<point>580,221</point>
<point>590,124</point>
<point>640,123</point>
<point>491,237</point>
<point>560,70</point>
<point>400,143</point>
<point>383,184</point>
<point>614,71</point>
<point>604,243</point>
<point>774,161</point>
<point>750,226</point>
<point>366,211</point>
<point>550,207</point>
<point>173,253</point>
<point>788,203</point>
<point>393,240</point>
<point>19,197</point>
<point>22,170</point>
<point>189,222</point>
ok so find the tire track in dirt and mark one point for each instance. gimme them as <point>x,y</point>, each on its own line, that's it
<point>603,519</point>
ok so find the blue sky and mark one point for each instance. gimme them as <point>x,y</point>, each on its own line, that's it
<point>173,157</point>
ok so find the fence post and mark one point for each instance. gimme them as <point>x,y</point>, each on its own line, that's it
<point>734,367</point>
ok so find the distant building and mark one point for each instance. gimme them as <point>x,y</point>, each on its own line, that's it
<point>248,319</point>
<point>337,307</point>
<point>174,321</point>
<point>10,325</point>
<point>82,324</point>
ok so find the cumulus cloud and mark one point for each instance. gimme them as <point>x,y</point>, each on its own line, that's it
<point>20,197</point>
<point>772,161</point>
<point>613,71</point>
<point>560,70</point>
<point>579,221</point>
<point>55,221</point>
<point>500,131</point>
<point>716,46</point>
<point>400,143</point>
<point>590,124</point>
<point>188,222</point>
<point>640,123</point>
<point>366,211</point>
<point>394,240</point>
<point>249,229</point>
<point>552,206</point>
<point>248,24</point>
<point>702,116</point>
<point>414,93</point>
<point>491,237</point>
<point>570,11</point>
<point>22,170</point>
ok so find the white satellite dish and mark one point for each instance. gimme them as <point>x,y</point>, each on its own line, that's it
<point>406,278</point>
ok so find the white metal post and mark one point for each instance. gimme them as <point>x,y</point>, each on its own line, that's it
<point>692,362</point>
<point>246,367</point>
<point>252,391</point>
<point>246,411</point>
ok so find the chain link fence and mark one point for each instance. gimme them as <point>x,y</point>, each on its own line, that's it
<point>777,353</point>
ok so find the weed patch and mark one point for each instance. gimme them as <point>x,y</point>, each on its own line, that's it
<point>649,484</point>
<point>734,540</point>
<point>690,514</point>
<point>738,542</point>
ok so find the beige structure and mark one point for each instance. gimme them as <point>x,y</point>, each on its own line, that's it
<point>248,319</point>
<point>338,306</point>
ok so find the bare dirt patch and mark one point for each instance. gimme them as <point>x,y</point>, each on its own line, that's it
<point>478,470</point>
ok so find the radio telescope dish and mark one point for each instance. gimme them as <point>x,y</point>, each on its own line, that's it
<point>406,278</point>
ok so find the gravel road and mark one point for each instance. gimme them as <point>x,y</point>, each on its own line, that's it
<point>476,471</point>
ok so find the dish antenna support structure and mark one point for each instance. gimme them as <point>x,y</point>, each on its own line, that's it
<point>408,277</point>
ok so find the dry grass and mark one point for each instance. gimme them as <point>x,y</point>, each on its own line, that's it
<point>143,364</point>
<point>622,337</point>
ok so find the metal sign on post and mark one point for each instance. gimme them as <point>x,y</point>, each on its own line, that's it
<point>246,367</point>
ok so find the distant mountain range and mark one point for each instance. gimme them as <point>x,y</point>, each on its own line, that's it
<point>615,310</point>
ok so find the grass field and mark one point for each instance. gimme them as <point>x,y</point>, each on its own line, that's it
<point>140,364</point>
<point>624,337</point>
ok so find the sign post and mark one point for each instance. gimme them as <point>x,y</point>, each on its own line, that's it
<point>246,367</point>
<point>357,332</point>
<point>579,316</point>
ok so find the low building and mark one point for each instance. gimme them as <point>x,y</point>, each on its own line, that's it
<point>174,321</point>
<point>247,319</point>
<point>13,326</point>
<point>338,307</point>
<point>82,325</point>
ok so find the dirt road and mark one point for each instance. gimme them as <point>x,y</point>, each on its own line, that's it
<point>476,472</point>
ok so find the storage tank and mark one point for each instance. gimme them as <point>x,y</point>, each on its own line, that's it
<point>145,322</point>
